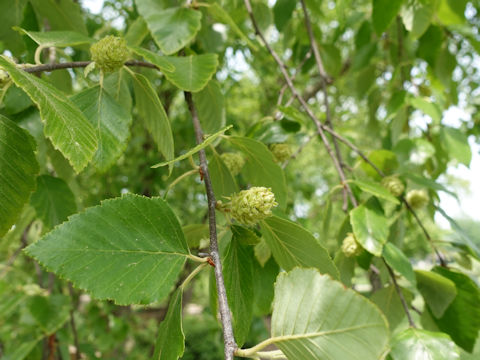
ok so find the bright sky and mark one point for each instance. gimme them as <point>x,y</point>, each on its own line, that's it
<point>469,204</point>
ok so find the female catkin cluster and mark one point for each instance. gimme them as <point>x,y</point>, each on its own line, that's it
<point>110,53</point>
<point>417,199</point>
<point>233,161</point>
<point>350,246</point>
<point>394,185</point>
<point>250,206</point>
<point>281,152</point>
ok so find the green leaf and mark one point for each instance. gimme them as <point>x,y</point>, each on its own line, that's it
<point>170,343</point>
<point>385,160</point>
<point>19,168</point>
<point>437,290</point>
<point>428,108</point>
<point>244,236</point>
<point>60,15</point>
<point>238,274</point>
<point>461,320</point>
<point>129,249</point>
<point>49,313</point>
<point>417,16</point>
<point>65,125</point>
<point>194,233</point>
<point>11,13</point>
<point>210,106</point>
<point>196,149</point>
<point>375,189</point>
<point>56,38</point>
<point>263,281</point>
<point>223,182</point>
<point>110,120</point>
<point>315,317</point>
<point>173,28</point>
<point>293,246</point>
<point>153,114</point>
<point>383,13</point>
<point>399,262</point>
<point>220,15</point>
<point>422,344</point>
<point>451,12</point>
<point>116,85</point>
<point>188,73</point>
<point>161,61</point>
<point>423,181</point>
<point>136,32</point>
<point>388,301</point>
<point>370,227</point>
<point>456,144</point>
<point>282,12</point>
<point>192,73</point>
<point>53,200</point>
<point>260,168</point>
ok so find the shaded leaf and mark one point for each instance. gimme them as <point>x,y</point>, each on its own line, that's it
<point>53,200</point>
<point>238,274</point>
<point>260,167</point>
<point>437,290</point>
<point>19,168</point>
<point>456,144</point>
<point>56,38</point>
<point>170,343</point>
<point>223,182</point>
<point>293,246</point>
<point>60,15</point>
<point>210,106</point>
<point>461,320</point>
<point>383,13</point>
<point>375,189</point>
<point>153,114</point>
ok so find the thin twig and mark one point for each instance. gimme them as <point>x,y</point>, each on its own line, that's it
<point>299,150</point>
<point>305,106</point>
<point>225,315</point>
<point>76,356</point>
<point>324,77</point>
<point>81,64</point>
<point>400,295</point>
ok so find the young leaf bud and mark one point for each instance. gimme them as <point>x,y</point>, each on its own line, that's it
<point>350,246</point>
<point>281,152</point>
<point>233,161</point>
<point>394,185</point>
<point>417,199</point>
<point>250,206</point>
<point>110,53</point>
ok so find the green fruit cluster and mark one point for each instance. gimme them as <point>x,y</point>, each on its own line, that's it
<point>250,206</point>
<point>110,53</point>
<point>350,246</point>
<point>417,199</point>
<point>394,185</point>
<point>281,152</point>
<point>234,162</point>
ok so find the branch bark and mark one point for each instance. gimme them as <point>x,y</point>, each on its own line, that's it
<point>80,64</point>
<point>225,314</point>
<point>324,77</point>
<point>319,126</point>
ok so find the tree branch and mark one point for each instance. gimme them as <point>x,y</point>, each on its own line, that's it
<point>225,315</point>
<point>81,64</point>
<point>319,126</point>
<point>400,295</point>
<point>324,77</point>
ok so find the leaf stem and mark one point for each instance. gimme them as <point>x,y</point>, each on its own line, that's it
<point>193,274</point>
<point>178,179</point>
<point>225,314</point>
